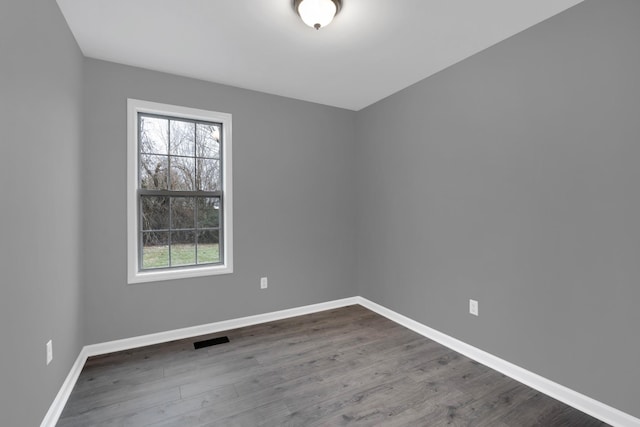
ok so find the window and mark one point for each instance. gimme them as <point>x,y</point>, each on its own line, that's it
<point>179,203</point>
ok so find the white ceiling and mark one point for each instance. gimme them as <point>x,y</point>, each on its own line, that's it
<point>372,49</point>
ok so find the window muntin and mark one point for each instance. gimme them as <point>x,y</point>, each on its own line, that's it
<point>179,192</point>
<point>180,206</point>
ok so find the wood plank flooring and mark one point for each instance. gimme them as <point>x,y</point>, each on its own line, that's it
<point>347,366</point>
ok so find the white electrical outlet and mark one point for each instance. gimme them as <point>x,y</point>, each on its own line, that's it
<point>49,351</point>
<point>473,307</point>
<point>264,283</point>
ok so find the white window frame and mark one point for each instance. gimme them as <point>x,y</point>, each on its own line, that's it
<point>134,273</point>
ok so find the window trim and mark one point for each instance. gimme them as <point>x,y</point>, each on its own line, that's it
<point>134,274</point>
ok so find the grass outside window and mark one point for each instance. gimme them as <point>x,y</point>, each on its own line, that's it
<point>181,254</point>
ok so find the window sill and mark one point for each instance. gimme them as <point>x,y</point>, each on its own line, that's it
<point>182,273</point>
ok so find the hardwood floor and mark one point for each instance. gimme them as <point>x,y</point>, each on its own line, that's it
<point>347,366</point>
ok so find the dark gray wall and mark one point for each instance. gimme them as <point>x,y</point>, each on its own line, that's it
<point>294,219</point>
<point>512,178</point>
<point>40,112</point>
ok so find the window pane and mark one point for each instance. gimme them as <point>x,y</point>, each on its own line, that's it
<point>183,172</point>
<point>182,212</point>
<point>153,171</point>
<point>209,175</point>
<point>155,249</point>
<point>208,212</point>
<point>155,212</point>
<point>183,138</point>
<point>183,248</point>
<point>208,247</point>
<point>154,135</point>
<point>207,140</point>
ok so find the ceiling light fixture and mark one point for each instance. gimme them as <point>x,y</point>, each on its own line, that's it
<point>317,13</point>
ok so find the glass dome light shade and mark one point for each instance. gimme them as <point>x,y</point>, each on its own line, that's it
<point>317,13</point>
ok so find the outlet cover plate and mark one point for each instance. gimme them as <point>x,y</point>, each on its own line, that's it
<point>49,351</point>
<point>473,307</point>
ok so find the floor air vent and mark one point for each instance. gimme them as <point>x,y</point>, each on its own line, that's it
<point>209,343</point>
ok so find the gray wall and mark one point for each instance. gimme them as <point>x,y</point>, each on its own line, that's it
<point>512,178</point>
<point>40,113</point>
<point>294,219</point>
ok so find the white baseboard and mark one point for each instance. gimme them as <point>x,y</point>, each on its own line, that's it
<point>559,392</point>
<point>210,328</point>
<point>572,398</point>
<point>55,410</point>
